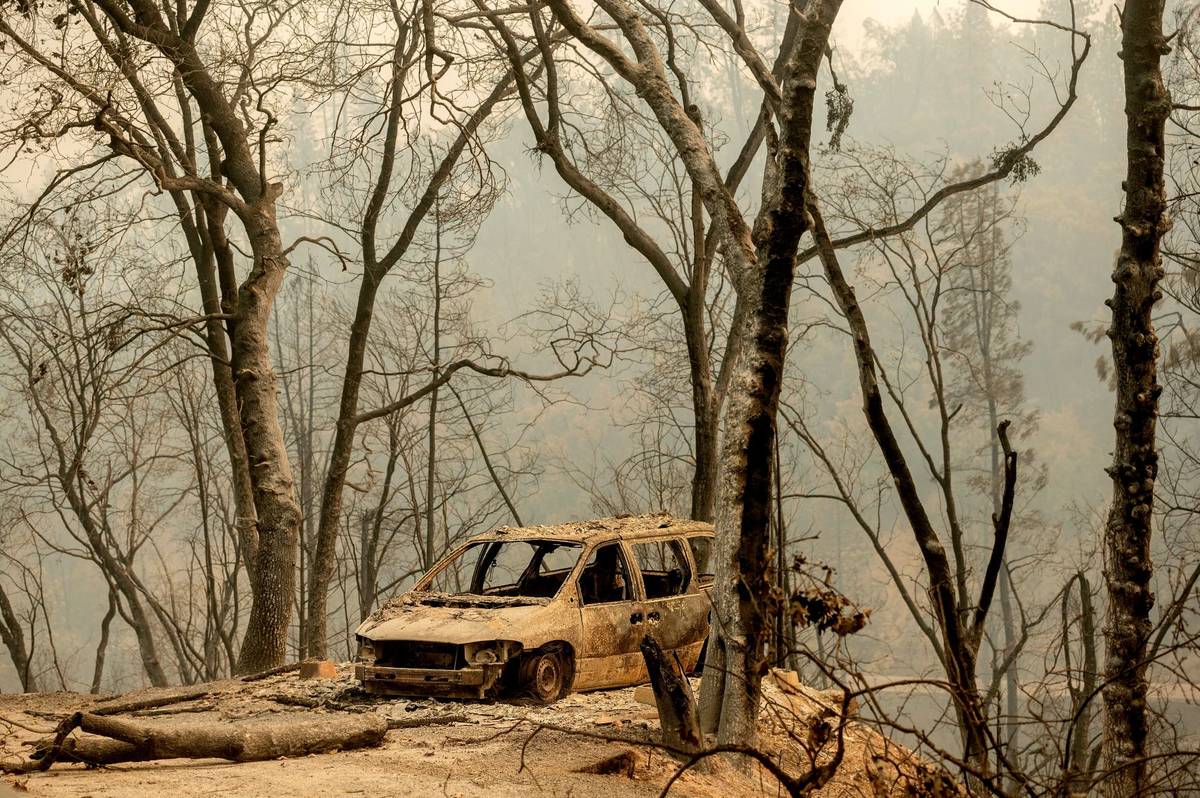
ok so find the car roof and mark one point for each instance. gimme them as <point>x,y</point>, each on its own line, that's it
<point>621,527</point>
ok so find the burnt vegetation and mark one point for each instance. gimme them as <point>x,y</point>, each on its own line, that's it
<point>309,309</point>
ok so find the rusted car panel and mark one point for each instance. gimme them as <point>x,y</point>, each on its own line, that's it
<point>591,603</point>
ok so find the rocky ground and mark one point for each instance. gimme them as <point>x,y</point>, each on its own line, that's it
<point>449,748</point>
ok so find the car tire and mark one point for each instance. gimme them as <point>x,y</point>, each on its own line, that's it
<point>546,674</point>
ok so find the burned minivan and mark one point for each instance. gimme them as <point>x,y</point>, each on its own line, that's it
<point>544,610</point>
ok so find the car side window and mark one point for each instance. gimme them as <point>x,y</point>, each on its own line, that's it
<point>605,578</point>
<point>664,567</point>
<point>701,546</point>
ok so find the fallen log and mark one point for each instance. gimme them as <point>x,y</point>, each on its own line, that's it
<point>678,714</point>
<point>121,740</point>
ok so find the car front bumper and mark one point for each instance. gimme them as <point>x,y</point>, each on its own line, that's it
<point>469,682</point>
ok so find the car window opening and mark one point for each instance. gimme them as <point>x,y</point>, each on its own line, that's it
<point>519,568</point>
<point>702,555</point>
<point>664,568</point>
<point>605,578</point>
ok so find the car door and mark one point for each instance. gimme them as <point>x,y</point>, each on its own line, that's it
<point>612,621</point>
<point>676,610</point>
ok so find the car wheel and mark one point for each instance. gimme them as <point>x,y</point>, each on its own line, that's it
<point>546,674</point>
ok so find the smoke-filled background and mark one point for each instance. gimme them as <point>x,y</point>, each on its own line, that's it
<point>583,404</point>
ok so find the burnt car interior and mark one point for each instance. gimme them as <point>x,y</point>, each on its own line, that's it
<point>605,578</point>
<point>664,568</point>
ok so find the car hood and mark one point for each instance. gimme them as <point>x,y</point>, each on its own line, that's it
<point>444,618</point>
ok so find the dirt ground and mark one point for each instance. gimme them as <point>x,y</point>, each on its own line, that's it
<point>444,748</point>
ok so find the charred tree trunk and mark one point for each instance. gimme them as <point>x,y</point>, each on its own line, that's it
<point>1011,738</point>
<point>1138,270</point>
<point>102,646</point>
<point>706,402</point>
<point>960,641</point>
<point>375,269</point>
<point>677,709</point>
<point>1012,685</point>
<point>741,630</point>
<point>1080,766</point>
<point>431,453</point>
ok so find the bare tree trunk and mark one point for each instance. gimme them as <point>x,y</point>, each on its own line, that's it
<point>374,270</point>
<point>1128,567</point>
<point>102,646</point>
<point>218,294</point>
<point>960,642</point>
<point>436,359</point>
<point>1011,682</point>
<point>1082,763</point>
<point>1012,685</point>
<point>13,637</point>
<point>706,404</point>
<point>339,463</point>
<point>273,579</point>
<point>704,411</point>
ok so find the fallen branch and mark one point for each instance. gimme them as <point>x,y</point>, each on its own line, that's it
<point>124,707</point>
<point>415,723</point>
<point>282,669</point>
<point>207,706</point>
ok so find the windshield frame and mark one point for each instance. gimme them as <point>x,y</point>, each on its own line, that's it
<point>423,584</point>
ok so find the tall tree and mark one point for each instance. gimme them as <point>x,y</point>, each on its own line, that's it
<point>1135,351</point>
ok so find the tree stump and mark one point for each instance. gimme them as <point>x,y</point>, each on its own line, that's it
<point>678,713</point>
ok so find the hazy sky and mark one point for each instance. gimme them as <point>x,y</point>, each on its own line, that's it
<point>848,30</point>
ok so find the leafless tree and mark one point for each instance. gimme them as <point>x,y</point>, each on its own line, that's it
<point>415,174</point>
<point>194,123</point>
<point>93,442</point>
<point>959,614</point>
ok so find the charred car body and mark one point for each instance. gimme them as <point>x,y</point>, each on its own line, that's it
<point>544,610</point>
